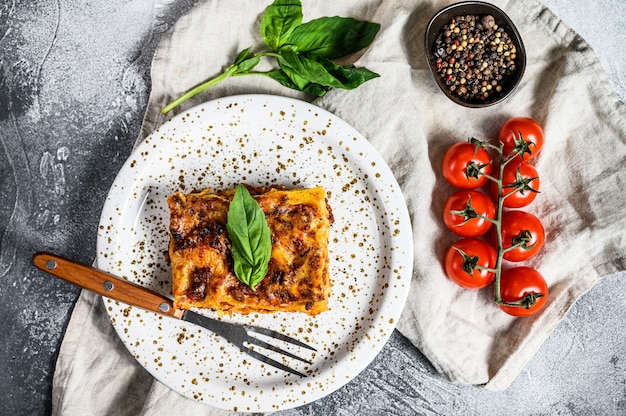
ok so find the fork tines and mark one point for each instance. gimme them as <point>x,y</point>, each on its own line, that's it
<point>266,345</point>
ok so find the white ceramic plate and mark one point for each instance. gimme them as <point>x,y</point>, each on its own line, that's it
<point>261,140</point>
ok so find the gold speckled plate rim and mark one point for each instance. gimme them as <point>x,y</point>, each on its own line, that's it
<point>261,140</point>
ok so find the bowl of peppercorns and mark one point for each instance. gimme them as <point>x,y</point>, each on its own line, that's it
<point>475,53</point>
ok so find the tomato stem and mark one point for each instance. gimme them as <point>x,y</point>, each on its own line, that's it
<point>487,269</point>
<point>491,178</point>
<point>529,300</point>
<point>526,302</point>
<point>488,145</point>
<point>498,224</point>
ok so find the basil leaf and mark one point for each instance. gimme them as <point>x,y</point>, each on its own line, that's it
<point>350,76</point>
<point>245,61</point>
<point>332,37</point>
<point>303,70</point>
<point>249,234</point>
<point>279,21</point>
<point>309,87</point>
<point>248,64</point>
<point>243,55</point>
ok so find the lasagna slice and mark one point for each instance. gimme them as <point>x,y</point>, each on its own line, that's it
<point>298,277</point>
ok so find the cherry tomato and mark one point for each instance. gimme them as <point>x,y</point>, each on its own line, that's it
<point>516,284</point>
<point>524,196</point>
<point>464,272</point>
<point>455,163</point>
<point>518,225</point>
<point>530,131</point>
<point>476,205</point>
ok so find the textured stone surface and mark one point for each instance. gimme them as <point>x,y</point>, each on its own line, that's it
<point>74,81</point>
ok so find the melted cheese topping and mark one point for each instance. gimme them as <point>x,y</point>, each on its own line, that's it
<point>298,278</point>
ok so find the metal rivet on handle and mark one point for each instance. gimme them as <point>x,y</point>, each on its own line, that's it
<point>164,307</point>
<point>108,286</point>
<point>51,265</point>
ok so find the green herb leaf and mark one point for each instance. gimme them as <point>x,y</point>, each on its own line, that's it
<point>314,89</point>
<point>243,55</point>
<point>332,37</point>
<point>349,76</point>
<point>280,19</point>
<point>249,234</point>
<point>303,70</point>
<point>247,65</point>
<point>245,61</point>
<point>307,70</point>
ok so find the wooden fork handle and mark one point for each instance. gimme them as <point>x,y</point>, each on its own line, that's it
<point>105,284</point>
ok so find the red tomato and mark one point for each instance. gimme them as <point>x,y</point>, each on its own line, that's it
<point>455,163</point>
<point>481,208</point>
<point>516,284</point>
<point>480,253</point>
<point>529,130</point>
<point>524,196</point>
<point>520,224</point>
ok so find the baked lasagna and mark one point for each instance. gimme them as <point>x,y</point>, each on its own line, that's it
<point>298,278</point>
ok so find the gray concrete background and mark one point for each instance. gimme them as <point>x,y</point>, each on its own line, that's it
<point>74,82</point>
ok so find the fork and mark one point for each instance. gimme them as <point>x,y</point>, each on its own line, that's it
<point>113,287</point>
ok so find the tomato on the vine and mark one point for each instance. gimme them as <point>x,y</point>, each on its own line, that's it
<point>461,156</point>
<point>469,213</point>
<point>523,284</point>
<point>462,269</point>
<point>529,130</point>
<point>528,182</point>
<point>518,227</point>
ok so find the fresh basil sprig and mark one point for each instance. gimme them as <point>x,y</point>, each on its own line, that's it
<point>303,51</point>
<point>249,234</point>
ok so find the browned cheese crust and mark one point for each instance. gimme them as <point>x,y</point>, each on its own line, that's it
<point>298,278</point>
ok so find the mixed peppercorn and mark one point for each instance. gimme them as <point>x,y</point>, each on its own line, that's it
<point>474,56</point>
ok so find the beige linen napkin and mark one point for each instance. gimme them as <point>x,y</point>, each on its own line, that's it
<point>411,123</point>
